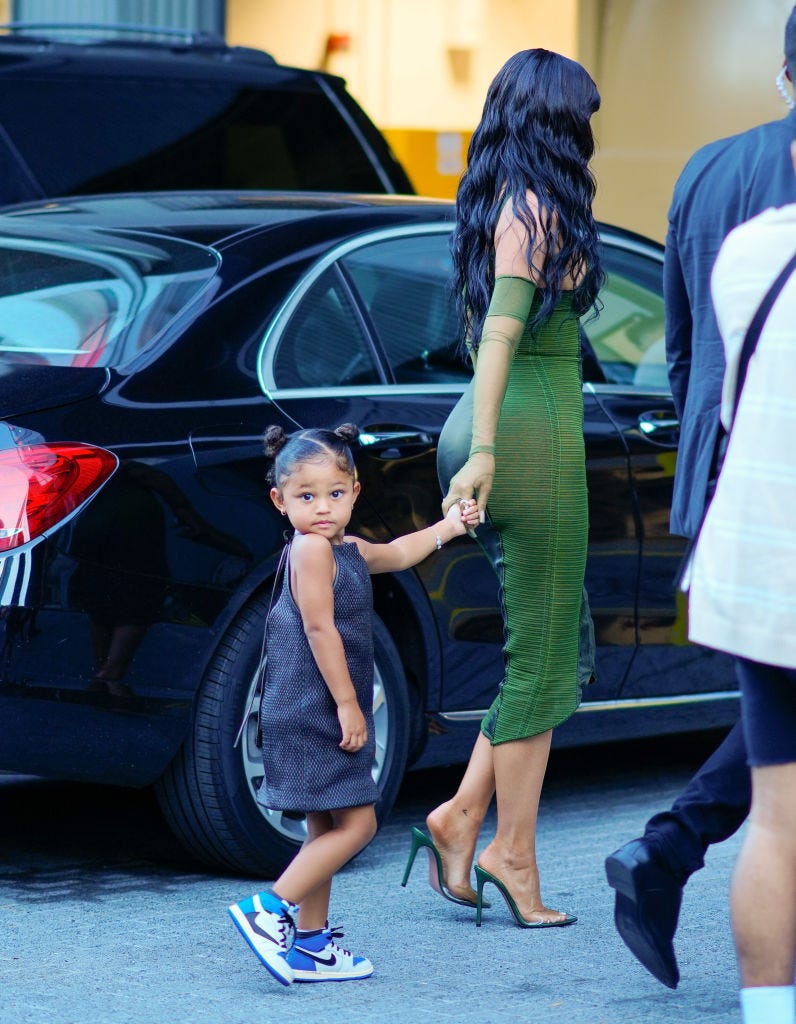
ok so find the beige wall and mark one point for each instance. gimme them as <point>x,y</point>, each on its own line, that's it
<point>412,63</point>
<point>673,74</point>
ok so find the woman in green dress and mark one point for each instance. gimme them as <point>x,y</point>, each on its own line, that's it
<point>527,265</point>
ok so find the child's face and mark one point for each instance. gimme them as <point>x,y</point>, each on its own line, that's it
<point>318,497</point>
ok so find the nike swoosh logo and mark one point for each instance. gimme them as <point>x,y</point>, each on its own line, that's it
<point>327,961</point>
<point>252,918</point>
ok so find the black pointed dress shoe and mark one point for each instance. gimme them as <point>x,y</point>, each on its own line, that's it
<point>647,907</point>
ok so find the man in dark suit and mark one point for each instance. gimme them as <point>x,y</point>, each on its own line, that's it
<point>722,185</point>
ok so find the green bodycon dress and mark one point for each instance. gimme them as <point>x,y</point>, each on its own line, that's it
<point>538,505</point>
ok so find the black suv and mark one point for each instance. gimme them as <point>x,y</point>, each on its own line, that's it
<point>175,111</point>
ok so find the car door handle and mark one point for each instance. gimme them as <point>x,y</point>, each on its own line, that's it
<point>391,443</point>
<point>660,426</point>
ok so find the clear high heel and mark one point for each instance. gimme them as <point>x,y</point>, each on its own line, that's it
<point>436,875</point>
<point>482,876</point>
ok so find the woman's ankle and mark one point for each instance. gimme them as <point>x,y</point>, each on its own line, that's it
<point>499,858</point>
<point>453,819</point>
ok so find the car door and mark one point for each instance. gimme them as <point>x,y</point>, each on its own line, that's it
<point>399,379</point>
<point>628,341</point>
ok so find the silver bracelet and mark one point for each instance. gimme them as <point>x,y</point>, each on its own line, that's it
<point>438,539</point>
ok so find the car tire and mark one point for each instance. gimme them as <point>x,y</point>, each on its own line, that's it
<point>208,792</point>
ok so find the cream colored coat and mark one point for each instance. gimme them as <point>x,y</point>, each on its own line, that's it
<point>743,578</point>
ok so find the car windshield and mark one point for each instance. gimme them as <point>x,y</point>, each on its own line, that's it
<point>88,298</point>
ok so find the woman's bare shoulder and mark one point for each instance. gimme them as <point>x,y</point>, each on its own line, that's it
<point>514,236</point>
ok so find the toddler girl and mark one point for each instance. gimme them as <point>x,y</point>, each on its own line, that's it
<point>317,720</point>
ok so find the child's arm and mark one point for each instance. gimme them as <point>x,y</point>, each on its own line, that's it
<point>406,551</point>
<point>312,577</point>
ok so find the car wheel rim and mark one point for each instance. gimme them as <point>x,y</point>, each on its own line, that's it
<point>288,824</point>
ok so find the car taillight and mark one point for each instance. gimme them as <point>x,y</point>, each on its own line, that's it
<point>43,484</point>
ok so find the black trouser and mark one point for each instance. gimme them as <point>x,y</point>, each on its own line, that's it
<point>713,805</point>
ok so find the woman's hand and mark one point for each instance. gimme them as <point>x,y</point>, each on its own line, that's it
<point>352,724</point>
<point>474,479</point>
<point>464,516</point>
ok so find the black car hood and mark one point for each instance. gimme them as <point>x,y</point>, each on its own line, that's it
<point>25,388</point>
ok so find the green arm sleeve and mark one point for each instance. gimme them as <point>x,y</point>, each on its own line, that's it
<point>508,313</point>
<point>512,296</point>
<point>509,309</point>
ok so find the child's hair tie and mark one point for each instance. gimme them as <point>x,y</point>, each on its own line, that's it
<point>347,432</point>
<point>274,440</point>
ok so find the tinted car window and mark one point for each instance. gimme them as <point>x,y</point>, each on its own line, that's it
<point>405,285</point>
<point>628,336</point>
<point>323,344</point>
<point>139,133</point>
<point>95,303</point>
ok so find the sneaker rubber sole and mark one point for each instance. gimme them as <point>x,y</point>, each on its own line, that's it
<point>313,976</point>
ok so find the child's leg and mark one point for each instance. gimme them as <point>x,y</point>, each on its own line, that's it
<point>332,840</point>
<point>266,920</point>
<point>314,909</point>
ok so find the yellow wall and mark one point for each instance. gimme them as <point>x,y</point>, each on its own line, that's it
<point>673,74</point>
<point>434,159</point>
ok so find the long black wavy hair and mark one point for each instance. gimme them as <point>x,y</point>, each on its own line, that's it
<point>534,134</point>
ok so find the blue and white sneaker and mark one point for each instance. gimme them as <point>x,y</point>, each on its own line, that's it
<point>266,923</point>
<point>315,956</point>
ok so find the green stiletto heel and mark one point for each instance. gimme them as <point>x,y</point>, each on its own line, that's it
<point>436,876</point>
<point>482,877</point>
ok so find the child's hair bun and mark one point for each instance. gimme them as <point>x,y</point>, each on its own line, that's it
<point>347,432</point>
<point>274,440</point>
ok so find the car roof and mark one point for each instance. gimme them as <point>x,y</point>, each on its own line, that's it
<point>60,48</point>
<point>213,217</point>
<point>224,218</point>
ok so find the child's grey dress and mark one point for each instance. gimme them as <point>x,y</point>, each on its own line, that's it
<point>305,769</point>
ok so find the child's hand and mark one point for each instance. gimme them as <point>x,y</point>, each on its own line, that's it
<point>464,515</point>
<point>352,723</point>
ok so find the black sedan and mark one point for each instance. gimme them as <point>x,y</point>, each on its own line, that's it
<point>145,343</point>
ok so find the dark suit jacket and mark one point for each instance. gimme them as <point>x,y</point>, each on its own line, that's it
<point>722,185</point>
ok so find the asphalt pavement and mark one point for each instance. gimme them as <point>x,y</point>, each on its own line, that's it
<point>104,922</point>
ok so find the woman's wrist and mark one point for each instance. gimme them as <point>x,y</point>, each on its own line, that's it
<point>482,449</point>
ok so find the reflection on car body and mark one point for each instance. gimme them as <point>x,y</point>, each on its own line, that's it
<point>155,337</point>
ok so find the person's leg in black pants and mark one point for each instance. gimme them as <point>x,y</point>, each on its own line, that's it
<point>649,873</point>
<point>710,809</point>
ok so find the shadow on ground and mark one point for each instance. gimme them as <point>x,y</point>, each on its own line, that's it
<point>63,837</point>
